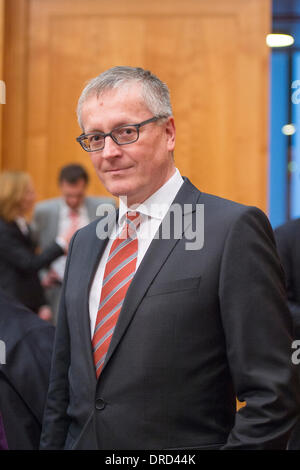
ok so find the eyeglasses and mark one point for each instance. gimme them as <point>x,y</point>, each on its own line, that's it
<point>122,135</point>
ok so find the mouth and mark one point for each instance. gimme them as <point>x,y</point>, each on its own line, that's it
<point>118,170</point>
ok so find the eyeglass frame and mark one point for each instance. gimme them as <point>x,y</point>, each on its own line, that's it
<point>109,134</point>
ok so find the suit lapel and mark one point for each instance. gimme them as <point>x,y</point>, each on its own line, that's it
<point>155,257</point>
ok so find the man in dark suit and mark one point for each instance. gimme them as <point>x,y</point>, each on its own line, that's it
<point>172,308</point>
<point>62,216</point>
<point>24,374</point>
<point>287,239</point>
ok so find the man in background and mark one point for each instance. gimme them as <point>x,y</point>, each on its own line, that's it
<point>61,217</point>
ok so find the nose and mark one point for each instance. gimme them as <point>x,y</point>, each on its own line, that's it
<point>111,149</point>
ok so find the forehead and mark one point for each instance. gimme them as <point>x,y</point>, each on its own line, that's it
<point>115,106</point>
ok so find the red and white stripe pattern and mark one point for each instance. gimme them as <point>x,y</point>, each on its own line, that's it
<point>119,271</point>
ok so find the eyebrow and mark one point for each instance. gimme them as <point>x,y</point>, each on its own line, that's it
<point>93,131</point>
<point>122,123</point>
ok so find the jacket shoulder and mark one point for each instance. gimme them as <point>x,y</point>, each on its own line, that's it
<point>227,211</point>
<point>216,204</point>
<point>47,204</point>
<point>95,200</point>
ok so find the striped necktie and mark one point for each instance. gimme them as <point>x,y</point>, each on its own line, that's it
<point>74,220</point>
<point>119,271</point>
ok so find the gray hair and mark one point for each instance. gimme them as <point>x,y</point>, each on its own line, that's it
<point>154,92</point>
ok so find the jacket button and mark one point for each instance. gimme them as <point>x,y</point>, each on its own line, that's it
<point>100,404</point>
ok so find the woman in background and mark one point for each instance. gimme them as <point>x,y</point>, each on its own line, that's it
<point>19,261</point>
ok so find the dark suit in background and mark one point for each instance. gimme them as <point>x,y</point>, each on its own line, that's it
<point>19,265</point>
<point>288,244</point>
<point>24,377</point>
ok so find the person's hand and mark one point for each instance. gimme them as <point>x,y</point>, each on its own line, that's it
<point>63,241</point>
<point>45,313</point>
<point>50,279</point>
<point>66,237</point>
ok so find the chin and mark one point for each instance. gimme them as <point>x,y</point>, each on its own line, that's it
<point>119,189</point>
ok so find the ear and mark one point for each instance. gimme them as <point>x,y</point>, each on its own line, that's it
<point>170,133</point>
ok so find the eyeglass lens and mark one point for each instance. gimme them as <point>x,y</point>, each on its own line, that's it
<point>121,135</point>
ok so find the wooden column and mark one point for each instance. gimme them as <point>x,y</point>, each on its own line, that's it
<point>15,72</point>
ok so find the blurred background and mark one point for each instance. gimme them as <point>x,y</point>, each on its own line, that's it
<point>236,99</point>
<point>284,148</point>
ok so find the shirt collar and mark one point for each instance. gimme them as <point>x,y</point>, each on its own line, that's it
<point>158,204</point>
<point>65,209</point>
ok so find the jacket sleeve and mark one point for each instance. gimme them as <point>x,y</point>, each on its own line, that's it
<point>56,421</point>
<point>36,224</point>
<point>22,257</point>
<point>258,332</point>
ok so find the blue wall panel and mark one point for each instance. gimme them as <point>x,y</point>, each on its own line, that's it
<point>280,94</point>
<point>295,175</point>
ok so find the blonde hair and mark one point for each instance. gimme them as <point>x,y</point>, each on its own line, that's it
<point>13,185</point>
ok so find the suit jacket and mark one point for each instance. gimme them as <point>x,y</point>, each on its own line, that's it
<point>287,239</point>
<point>288,242</point>
<point>197,328</point>
<point>24,377</point>
<point>46,217</point>
<point>19,265</point>
<point>3,440</point>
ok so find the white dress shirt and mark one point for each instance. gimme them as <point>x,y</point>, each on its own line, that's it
<point>64,224</point>
<point>22,224</point>
<point>152,212</point>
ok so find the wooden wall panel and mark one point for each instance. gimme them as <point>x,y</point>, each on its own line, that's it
<point>212,55</point>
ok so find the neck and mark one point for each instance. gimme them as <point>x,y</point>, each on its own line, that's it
<point>136,201</point>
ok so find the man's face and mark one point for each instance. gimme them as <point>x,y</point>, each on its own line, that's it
<point>73,193</point>
<point>134,170</point>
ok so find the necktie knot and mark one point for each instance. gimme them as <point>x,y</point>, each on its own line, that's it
<point>132,222</point>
